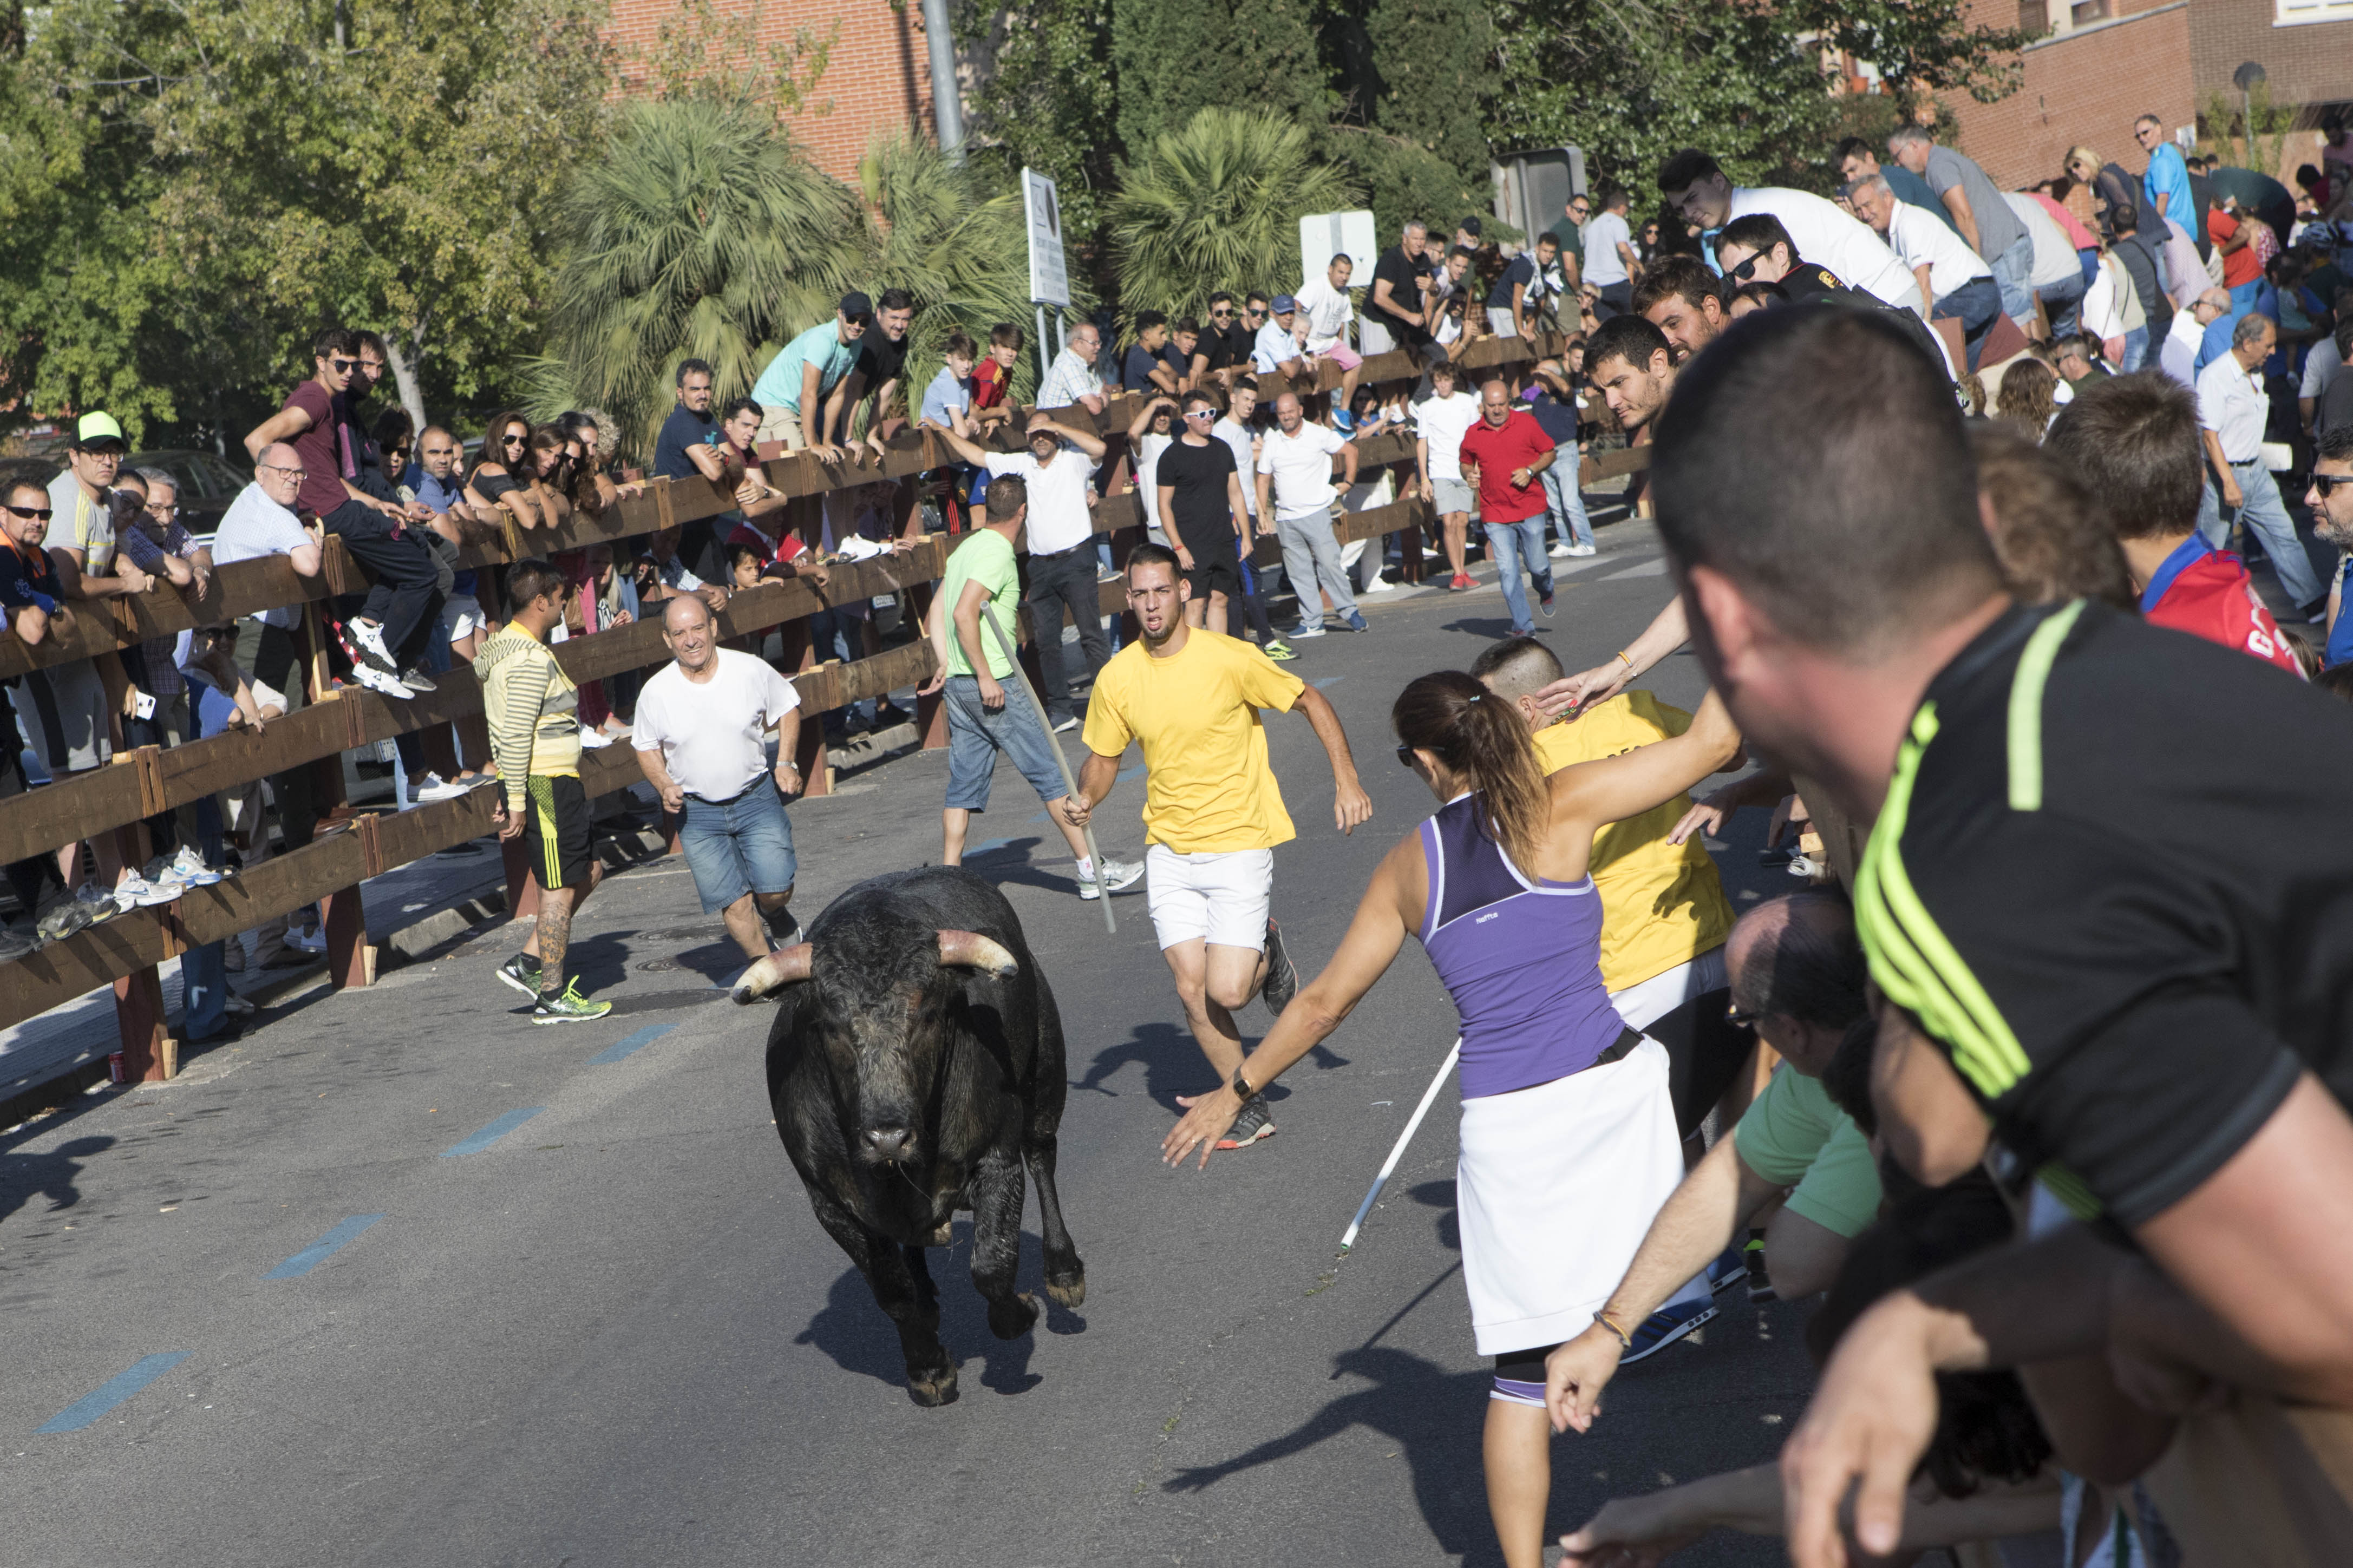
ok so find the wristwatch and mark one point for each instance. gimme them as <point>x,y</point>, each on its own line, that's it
<point>1242,1087</point>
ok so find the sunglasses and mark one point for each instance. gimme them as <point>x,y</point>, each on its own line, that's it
<point>1405,755</point>
<point>1201,414</point>
<point>1745,270</point>
<point>511,440</point>
<point>1219,315</point>
<point>43,513</point>
<point>2326,483</point>
<point>343,366</point>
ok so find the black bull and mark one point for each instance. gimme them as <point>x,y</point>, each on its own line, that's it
<point>916,1066</point>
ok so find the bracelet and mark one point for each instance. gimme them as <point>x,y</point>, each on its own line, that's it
<point>1621,654</point>
<point>1624,1339</point>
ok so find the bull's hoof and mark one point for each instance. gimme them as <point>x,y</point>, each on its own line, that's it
<point>933,1389</point>
<point>1071,1292</point>
<point>1012,1320</point>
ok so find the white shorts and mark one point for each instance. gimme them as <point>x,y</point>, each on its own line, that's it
<point>1215,897</point>
<point>1646,1002</point>
<point>1500,323</point>
<point>462,617</point>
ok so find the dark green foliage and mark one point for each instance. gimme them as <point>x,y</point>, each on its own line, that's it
<point>1433,62</point>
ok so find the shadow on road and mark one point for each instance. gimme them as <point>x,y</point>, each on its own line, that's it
<point>1440,1195</point>
<point>24,1177</point>
<point>1173,1065</point>
<point>852,1330</point>
<point>1433,1417</point>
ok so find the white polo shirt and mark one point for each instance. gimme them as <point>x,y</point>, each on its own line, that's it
<point>1920,238</point>
<point>1301,467</point>
<point>1058,519</point>
<point>1828,237</point>
<point>709,733</point>
<point>2232,404</point>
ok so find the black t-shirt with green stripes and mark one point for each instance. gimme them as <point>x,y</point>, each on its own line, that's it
<point>2113,880</point>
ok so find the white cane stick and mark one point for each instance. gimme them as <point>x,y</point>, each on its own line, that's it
<point>1038,709</point>
<point>1348,1236</point>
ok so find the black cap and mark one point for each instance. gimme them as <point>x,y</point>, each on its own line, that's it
<point>854,305</point>
<point>1470,225</point>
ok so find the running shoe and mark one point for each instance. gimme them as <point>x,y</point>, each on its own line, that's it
<point>1282,975</point>
<point>1665,1327</point>
<point>1120,875</point>
<point>1066,723</point>
<point>1580,550</point>
<point>189,866</point>
<point>433,787</point>
<point>1308,629</point>
<point>1279,651</point>
<point>568,1006</point>
<point>378,682</point>
<point>311,941</point>
<point>416,680</point>
<point>1379,585</point>
<point>1544,602</point>
<point>1251,1126</point>
<point>136,892</point>
<point>521,972</point>
<point>1460,582</point>
<point>783,931</point>
<point>1730,1267</point>
<point>365,642</point>
<point>1561,551</point>
<point>15,945</point>
<point>1356,622</point>
<point>64,918</point>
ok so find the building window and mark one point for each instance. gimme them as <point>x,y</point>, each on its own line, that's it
<point>2087,10</point>
<point>2291,13</point>
<point>2033,17</point>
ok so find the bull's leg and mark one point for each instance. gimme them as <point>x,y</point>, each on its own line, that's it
<point>1066,1277</point>
<point>997,1195</point>
<point>906,1295</point>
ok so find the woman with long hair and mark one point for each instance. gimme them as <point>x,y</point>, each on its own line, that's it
<point>2029,396</point>
<point>1568,1141</point>
<point>501,477</point>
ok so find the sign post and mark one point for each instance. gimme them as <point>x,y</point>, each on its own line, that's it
<point>1050,279</point>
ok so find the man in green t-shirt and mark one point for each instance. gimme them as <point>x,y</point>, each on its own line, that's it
<point>1570,232</point>
<point>988,711</point>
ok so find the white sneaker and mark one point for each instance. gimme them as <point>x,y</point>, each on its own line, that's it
<point>1377,585</point>
<point>433,787</point>
<point>594,738</point>
<point>376,680</point>
<point>1560,551</point>
<point>369,641</point>
<point>1120,874</point>
<point>135,892</point>
<point>1580,550</point>
<point>189,868</point>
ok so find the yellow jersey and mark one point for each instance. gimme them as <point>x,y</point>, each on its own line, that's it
<point>1662,903</point>
<point>1196,714</point>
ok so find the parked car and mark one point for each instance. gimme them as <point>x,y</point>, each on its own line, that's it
<point>207,482</point>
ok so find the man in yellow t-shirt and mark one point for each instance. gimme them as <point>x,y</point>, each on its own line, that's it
<point>1665,918</point>
<point>1212,812</point>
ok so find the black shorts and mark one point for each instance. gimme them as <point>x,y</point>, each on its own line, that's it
<point>1215,569</point>
<point>555,831</point>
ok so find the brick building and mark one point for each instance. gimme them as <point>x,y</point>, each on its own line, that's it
<point>877,79</point>
<point>2106,63</point>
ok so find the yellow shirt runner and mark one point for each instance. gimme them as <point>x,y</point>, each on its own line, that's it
<point>1210,790</point>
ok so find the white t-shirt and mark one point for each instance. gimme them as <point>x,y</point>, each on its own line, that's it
<point>1443,422</point>
<point>1237,439</point>
<point>1302,467</point>
<point>1058,519</point>
<point>255,526</point>
<point>709,732</point>
<point>1828,237</point>
<point>1920,238</point>
<point>1603,236</point>
<point>1327,313</point>
<point>1147,476</point>
<point>2054,255</point>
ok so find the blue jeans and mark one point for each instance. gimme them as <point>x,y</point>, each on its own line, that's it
<point>2136,349</point>
<point>1974,304</point>
<point>2063,304</point>
<point>1510,543</point>
<point>976,736</point>
<point>738,847</point>
<point>2013,271</point>
<point>1568,502</point>
<point>2265,513</point>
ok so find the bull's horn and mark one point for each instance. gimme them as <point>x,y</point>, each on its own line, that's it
<point>970,950</point>
<point>788,967</point>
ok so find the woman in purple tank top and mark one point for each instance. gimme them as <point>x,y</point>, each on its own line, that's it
<point>1569,1140</point>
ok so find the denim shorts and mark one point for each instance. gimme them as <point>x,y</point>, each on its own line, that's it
<point>738,847</point>
<point>976,736</point>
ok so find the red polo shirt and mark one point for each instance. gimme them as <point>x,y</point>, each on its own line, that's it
<point>1500,452</point>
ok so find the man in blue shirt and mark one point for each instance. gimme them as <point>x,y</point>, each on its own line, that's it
<point>791,392</point>
<point>1552,402</point>
<point>2165,186</point>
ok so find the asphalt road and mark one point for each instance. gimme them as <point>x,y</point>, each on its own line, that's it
<point>611,1332</point>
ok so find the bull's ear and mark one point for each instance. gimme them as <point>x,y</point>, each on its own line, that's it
<point>970,950</point>
<point>789,966</point>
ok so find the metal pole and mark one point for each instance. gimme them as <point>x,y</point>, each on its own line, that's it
<point>947,96</point>
<point>1044,359</point>
<point>1348,1236</point>
<point>1038,712</point>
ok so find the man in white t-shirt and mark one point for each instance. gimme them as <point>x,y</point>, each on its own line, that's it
<point>1060,459</point>
<point>1294,485</point>
<point>1701,193</point>
<point>1609,263</point>
<point>1440,423</point>
<point>1324,306</point>
<point>701,736</point>
<point>1952,276</point>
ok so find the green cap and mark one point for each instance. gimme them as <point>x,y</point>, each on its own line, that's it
<point>95,427</point>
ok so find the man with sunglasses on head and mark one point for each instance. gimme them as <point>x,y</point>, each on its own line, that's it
<point>386,640</point>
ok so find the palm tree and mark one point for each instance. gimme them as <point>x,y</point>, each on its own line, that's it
<point>703,232</point>
<point>1216,205</point>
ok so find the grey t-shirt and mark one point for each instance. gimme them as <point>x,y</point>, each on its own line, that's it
<point>1997,226</point>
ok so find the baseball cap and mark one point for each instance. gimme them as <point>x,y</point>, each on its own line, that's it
<point>97,427</point>
<point>1472,225</point>
<point>855,304</point>
<point>1284,304</point>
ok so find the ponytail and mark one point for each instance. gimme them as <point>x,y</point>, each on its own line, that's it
<point>1483,742</point>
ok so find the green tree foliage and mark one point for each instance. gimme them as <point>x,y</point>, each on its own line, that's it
<point>703,232</point>
<point>1405,180</point>
<point>1433,61</point>
<point>1918,43</point>
<point>1174,60</point>
<point>1216,205</point>
<point>1049,105</point>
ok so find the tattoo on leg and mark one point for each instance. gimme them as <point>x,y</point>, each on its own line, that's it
<point>555,936</point>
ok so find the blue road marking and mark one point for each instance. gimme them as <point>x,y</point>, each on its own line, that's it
<point>113,1392</point>
<point>1328,680</point>
<point>326,1247</point>
<point>493,1132</point>
<point>636,1042</point>
<point>987,845</point>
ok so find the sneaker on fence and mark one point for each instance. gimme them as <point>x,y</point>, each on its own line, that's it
<point>378,682</point>
<point>1251,1125</point>
<point>136,892</point>
<point>1117,874</point>
<point>15,943</point>
<point>1665,1327</point>
<point>568,1006</point>
<point>64,918</point>
<point>190,867</point>
<point>521,972</point>
<point>363,641</point>
<point>433,787</point>
<point>98,903</point>
<point>417,681</point>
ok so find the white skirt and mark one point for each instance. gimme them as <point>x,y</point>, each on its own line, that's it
<point>1555,1186</point>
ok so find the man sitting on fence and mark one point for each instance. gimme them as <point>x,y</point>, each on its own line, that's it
<point>534,717</point>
